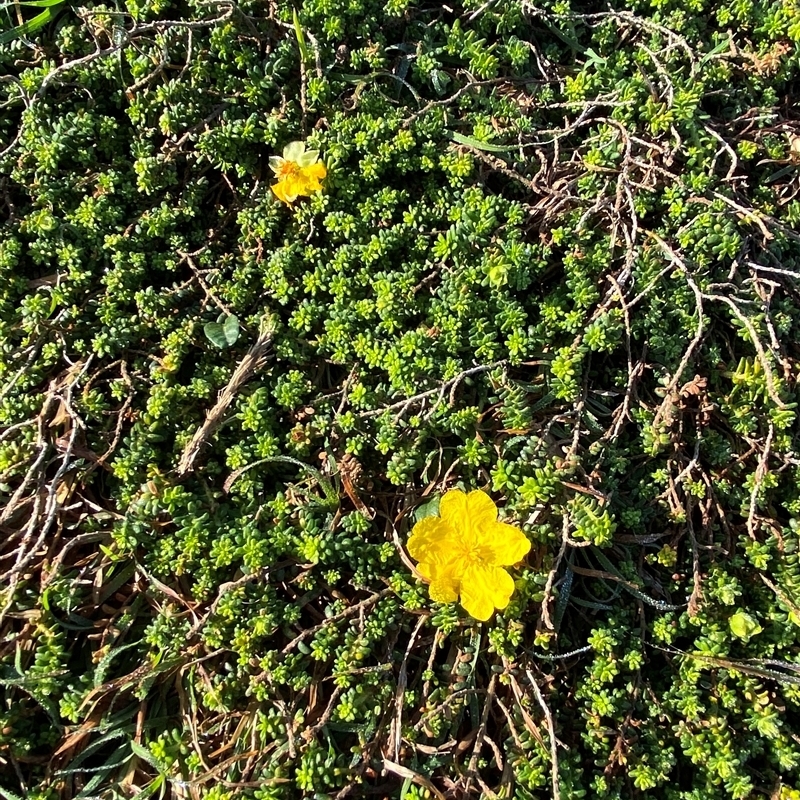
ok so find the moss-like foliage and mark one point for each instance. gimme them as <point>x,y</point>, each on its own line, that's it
<point>555,258</point>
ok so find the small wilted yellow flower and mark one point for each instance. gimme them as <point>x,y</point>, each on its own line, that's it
<point>299,172</point>
<point>463,552</point>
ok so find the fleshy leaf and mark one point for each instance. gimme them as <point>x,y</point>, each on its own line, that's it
<point>743,625</point>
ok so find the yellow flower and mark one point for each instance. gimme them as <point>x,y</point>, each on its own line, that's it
<point>463,552</point>
<point>299,172</point>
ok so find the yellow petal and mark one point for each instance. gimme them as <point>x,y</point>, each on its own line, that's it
<point>296,185</point>
<point>481,508</point>
<point>444,590</point>
<point>306,189</point>
<point>453,506</point>
<point>485,588</point>
<point>444,583</point>
<point>310,178</point>
<point>280,192</point>
<point>315,172</point>
<point>443,574</point>
<point>506,543</point>
<point>431,536</point>
<point>465,511</point>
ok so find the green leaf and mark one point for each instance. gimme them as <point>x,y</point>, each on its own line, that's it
<point>594,58</point>
<point>725,44</point>
<point>231,328</point>
<point>630,588</point>
<point>479,145</point>
<point>29,27</point>
<point>301,42</point>
<point>429,509</point>
<point>744,626</point>
<point>224,332</point>
<point>145,754</point>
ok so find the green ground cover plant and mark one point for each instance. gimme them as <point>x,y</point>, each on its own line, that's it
<point>555,258</point>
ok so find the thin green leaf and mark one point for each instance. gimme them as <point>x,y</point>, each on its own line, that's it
<point>301,41</point>
<point>781,173</point>
<point>115,583</point>
<point>631,589</point>
<point>331,495</point>
<point>151,788</point>
<point>142,752</point>
<point>27,28</point>
<point>596,606</point>
<point>32,680</point>
<point>736,666</point>
<point>76,765</point>
<point>101,669</point>
<point>479,145</point>
<point>722,46</point>
<point>564,592</point>
<point>96,781</point>
<point>32,3</point>
<point>558,656</point>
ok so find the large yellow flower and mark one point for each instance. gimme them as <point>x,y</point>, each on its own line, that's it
<point>299,172</point>
<point>463,552</point>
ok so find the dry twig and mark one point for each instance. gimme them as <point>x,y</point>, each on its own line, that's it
<point>251,363</point>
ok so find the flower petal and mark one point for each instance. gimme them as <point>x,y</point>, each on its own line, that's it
<point>507,544</point>
<point>444,590</point>
<point>313,175</point>
<point>481,508</point>
<point>294,151</point>
<point>280,189</point>
<point>469,514</point>
<point>444,584</point>
<point>431,536</point>
<point>276,164</point>
<point>485,588</point>
<point>453,506</point>
<point>464,508</point>
<point>308,158</point>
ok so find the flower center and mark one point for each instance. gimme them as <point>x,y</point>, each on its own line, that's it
<point>288,169</point>
<point>475,553</point>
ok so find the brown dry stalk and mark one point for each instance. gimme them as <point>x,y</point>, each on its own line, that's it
<point>414,777</point>
<point>250,364</point>
<point>551,731</point>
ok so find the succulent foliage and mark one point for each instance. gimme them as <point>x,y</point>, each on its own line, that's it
<point>555,257</point>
